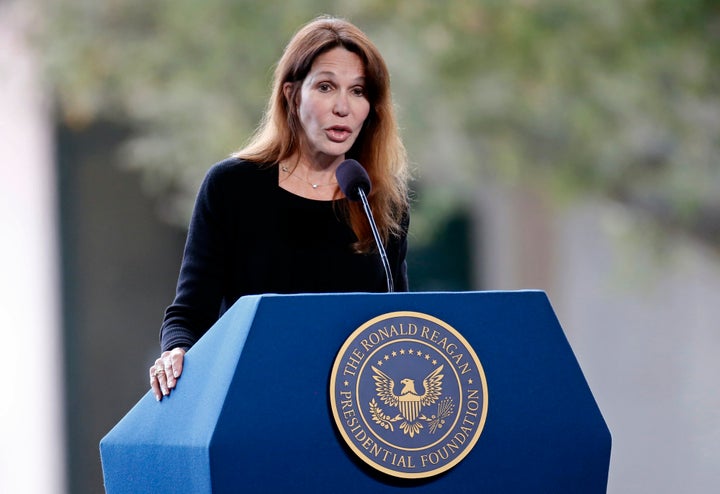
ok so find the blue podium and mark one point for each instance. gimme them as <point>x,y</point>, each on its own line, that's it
<point>252,411</point>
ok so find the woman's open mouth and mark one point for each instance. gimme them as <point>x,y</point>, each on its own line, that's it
<point>338,133</point>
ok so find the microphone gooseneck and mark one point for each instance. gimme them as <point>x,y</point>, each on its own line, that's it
<point>355,184</point>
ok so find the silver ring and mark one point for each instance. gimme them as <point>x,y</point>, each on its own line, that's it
<point>159,371</point>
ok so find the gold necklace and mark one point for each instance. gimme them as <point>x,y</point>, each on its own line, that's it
<point>298,177</point>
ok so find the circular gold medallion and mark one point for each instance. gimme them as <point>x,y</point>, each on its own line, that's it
<point>408,394</point>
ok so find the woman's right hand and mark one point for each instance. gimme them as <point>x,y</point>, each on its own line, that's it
<point>166,371</point>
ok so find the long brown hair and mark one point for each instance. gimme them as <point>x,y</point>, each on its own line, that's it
<point>378,147</point>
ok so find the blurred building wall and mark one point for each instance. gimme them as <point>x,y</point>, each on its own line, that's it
<point>643,317</point>
<point>32,453</point>
<point>120,265</point>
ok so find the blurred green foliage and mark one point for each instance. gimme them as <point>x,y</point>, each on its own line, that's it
<point>619,98</point>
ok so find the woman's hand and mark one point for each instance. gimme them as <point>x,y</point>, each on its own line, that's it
<point>166,371</point>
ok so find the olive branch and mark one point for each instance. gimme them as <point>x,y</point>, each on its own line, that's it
<point>379,417</point>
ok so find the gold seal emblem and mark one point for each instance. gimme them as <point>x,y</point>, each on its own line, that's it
<point>408,394</point>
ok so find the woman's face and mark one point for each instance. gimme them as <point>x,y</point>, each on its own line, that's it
<point>332,106</point>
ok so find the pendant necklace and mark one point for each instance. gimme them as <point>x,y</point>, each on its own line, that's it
<point>311,184</point>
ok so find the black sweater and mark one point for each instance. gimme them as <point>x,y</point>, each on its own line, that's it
<point>250,236</point>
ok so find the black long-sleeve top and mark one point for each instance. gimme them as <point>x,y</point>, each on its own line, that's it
<point>248,236</point>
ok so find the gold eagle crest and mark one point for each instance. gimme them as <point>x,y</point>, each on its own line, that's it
<point>409,403</point>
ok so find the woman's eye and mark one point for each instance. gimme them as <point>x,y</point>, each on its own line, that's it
<point>324,87</point>
<point>359,91</point>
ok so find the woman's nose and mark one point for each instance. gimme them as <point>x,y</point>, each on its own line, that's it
<point>341,105</point>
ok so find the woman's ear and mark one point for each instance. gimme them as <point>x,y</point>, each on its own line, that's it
<point>289,92</point>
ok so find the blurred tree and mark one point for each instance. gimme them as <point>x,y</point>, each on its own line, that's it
<point>617,97</point>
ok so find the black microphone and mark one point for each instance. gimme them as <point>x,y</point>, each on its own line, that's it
<point>355,184</point>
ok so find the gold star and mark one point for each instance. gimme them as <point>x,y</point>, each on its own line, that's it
<point>419,353</point>
<point>346,383</point>
<point>379,362</point>
<point>394,354</point>
<point>387,357</point>
<point>434,362</point>
<point>427,356</point>
<point>470,381</point>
